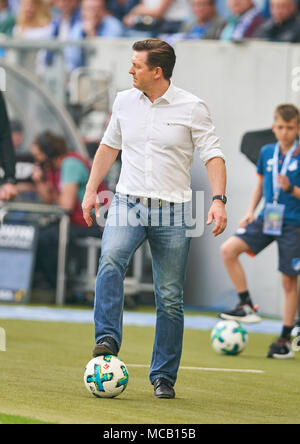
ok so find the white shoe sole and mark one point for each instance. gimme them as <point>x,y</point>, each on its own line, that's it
<point>289,355</point>
<point>249,319</point>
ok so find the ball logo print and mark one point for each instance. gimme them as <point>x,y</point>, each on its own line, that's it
<point>229,338</point>
<point>106,376</point>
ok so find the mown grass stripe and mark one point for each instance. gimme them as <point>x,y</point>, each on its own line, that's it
<point>16,419</point>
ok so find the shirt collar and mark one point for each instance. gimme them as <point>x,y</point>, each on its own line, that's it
<point>167,96</point>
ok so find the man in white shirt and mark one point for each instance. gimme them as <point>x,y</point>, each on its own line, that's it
<point>157,126</point>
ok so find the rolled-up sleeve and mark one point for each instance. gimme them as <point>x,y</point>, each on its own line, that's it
<point>204,136</point>
<point>112,136</point>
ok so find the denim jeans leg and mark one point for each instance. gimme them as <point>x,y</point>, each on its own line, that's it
<point>118,246</point>
<point>169,248</point>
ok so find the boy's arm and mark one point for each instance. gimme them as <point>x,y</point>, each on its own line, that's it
<point>255,199</point>
<point>296,192</point>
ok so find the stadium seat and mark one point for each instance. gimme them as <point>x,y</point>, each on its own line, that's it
<point>252,142</point>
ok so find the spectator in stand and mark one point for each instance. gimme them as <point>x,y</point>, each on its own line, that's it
<point>33,20</point>
<point>284,24</point>
<point>206,23</point>
<point>65,19</point>
<point>60,177</point>
<point>17,134</point>
<point>224,12</point>
<point>265,7</point>
<point>7,19</point>
<point>96,21</point>
<point>63,25</point>
<point>24,166</point>
<point>119,8</point>
<point>155,17</point>
<point>244,21</point>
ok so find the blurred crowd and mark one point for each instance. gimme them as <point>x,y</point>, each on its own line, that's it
<point>169,20</point>
<point>274,20</point>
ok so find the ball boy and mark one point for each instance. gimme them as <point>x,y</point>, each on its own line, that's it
<point>278,171</point>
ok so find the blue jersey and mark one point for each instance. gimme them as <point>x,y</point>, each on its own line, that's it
<point>265,168</point>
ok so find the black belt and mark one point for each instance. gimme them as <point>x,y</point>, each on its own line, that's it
<point>149,202</point>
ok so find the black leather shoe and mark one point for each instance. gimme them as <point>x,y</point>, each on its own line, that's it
<point>163,389</point>
<point>106,346</point>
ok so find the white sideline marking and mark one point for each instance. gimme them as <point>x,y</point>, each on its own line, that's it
<point>229,370</point>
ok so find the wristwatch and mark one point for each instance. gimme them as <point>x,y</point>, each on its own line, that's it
<point>10,180</point>
<point>221,197</point>
<point>290,189</point>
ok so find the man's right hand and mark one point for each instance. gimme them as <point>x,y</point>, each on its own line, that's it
<point>8,191</point>
<point>248,219</point>
<point>89,202</point>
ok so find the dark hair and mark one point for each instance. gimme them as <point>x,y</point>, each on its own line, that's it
<point>51,144</point>
<point>287,112</point>
<point>15,124</point>
<point>159,54</point>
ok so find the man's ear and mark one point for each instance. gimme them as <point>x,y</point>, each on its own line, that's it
<point>158,72</point>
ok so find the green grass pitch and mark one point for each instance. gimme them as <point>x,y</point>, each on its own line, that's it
<point>41,379</point>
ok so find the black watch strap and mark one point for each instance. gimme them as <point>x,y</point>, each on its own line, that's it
<point>221,197</point>
<point>10,180</point>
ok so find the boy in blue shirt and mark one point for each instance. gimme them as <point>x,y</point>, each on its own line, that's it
<point>278,171</point>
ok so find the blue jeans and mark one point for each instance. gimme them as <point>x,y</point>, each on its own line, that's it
<point>169,248</point>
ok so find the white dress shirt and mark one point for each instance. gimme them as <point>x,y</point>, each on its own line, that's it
<point>158,141</point>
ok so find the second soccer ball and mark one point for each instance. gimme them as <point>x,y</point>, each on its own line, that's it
<point>229,338</point>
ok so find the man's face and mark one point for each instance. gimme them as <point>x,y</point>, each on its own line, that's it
<point>143,75</point>
<point>29,9</point>
<point>238,7</point>
<point>17,138</point>
<point>67,6</point>
<point>203,10</point>
<point>38,154</point>
<point>281,10</point>
<point>286,132</point>
<point>93,10</point>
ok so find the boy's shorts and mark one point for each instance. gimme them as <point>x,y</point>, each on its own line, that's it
<point>288,244</point>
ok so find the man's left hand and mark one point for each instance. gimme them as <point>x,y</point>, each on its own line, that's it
<point>8,191</point>
<point>218,214</point>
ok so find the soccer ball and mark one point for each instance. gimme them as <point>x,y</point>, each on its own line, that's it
<point>229,338</point>
<point>106,376</point>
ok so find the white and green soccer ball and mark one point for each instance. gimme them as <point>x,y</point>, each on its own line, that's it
<point>229,338</point>
<point>106,376</point>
